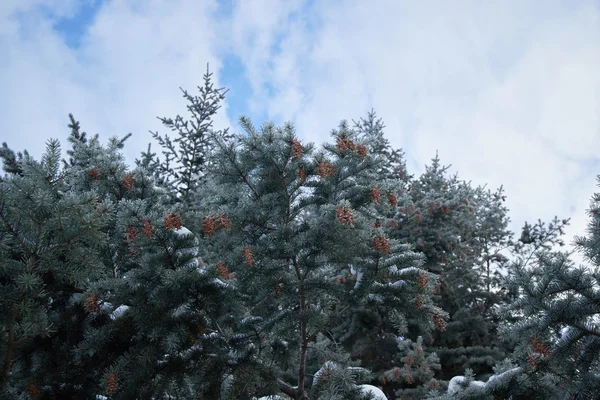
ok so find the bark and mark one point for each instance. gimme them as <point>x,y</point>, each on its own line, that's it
<point>287,389</point>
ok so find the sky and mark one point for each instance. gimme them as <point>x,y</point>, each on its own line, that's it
<point>507,92</point>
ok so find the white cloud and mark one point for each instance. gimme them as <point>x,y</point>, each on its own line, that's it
<point>127,72</point>
<point>507,92</point>
<point>9,9</point>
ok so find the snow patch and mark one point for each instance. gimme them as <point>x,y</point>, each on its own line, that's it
<point>182,231</point>
<point>212,335</point>
<point>496,379</point>
<point>76,298</point>
<point>329,365</point>
<point>375,297</point>
<point>193,263</point>
<point>181,310</point>
<point>119,311</point>
<point>374,391</point>
<point>397,284</point>
<point>359,276</point>
<point>200,270</point>
<point>456,384</point>
<point>193,251</point>
<point>564,332</point>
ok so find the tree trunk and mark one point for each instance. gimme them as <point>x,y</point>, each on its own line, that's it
<point>301,395</point>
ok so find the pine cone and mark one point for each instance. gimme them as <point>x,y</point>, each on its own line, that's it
<point>325,169</point>
<point>344,145</point>
<point>147,229</point>
<point>171,221</point>
<point>297,150</point>
<point>381,244</point>
<point>361,149</point>
<point>439,321</point>
<point>209,226</point>
<point>128,181</point>
<point>93,174</point>
<point>111,383</point>
<point>224,222</point>
<point>130,233</point>
<point>223,271</point>
<point>392,200</point>
<point>301,174</point>
<point>248,256</point>
<point>345,216</point>
<point>539,347</point>
<point>375,194</point>
<point>422,280</point>
<point>91,303</point>
<point>34,390</point>
<point>419,302</point>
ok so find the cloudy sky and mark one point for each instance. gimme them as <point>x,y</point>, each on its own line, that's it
<point>508,91</point>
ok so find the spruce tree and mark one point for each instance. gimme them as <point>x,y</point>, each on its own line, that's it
<point>182,169</point>
<point>378,336</point>
<point>462,231</point>
<point>50,241</point>
<point>298,232</point>
<point>157,314</point>
<point>558,328</point>
<point>102,288</point>
<point>255,265</point>
<point>543,285</point>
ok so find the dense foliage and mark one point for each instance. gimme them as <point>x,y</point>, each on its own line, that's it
<point>253,264</point>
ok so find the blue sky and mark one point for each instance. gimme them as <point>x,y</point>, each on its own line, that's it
<point>72,28</point>
<point>507,92</point>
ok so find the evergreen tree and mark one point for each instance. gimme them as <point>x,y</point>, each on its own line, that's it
<point>255,265</point>
<point>462,231</point>
<point>156,316</point>
<point>558,328</point>
<point>543,286</point>
<point>378,338</point>
<point>183,168</point>
<point>102,289</point>
<point>296,231</point>
<point>50,241</point>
